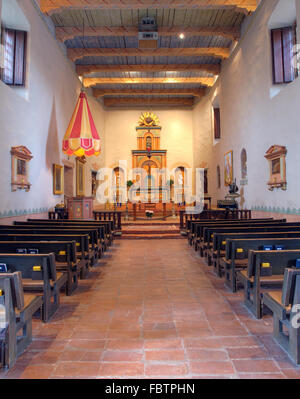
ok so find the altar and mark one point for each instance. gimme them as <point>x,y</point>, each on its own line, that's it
<point>154,195</point>
<point>150,157</point>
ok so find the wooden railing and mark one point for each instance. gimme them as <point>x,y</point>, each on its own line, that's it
<point>110,215</point>
<point>214,214</point>
<point>55,215</point>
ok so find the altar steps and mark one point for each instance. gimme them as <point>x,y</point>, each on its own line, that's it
<point>150,236</point>
<point>150,231</point>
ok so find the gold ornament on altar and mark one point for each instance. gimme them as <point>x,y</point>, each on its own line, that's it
<point>148,119</point>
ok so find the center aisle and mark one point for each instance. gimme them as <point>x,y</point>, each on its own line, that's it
<point>152,309</point>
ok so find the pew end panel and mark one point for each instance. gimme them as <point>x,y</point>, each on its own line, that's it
<point>265,272</point>
<point>285,306</point>
<point>17,311</point>
<point>39,277</point>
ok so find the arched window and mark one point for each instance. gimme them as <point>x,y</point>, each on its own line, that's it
<point>244,164</point>
<point>218,177</point>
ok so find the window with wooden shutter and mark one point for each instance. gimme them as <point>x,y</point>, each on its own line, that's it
<point>283,40</point>
<point>217,123</point>
<point>14,42</point>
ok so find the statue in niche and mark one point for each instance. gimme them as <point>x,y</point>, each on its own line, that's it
<point>149,143</point>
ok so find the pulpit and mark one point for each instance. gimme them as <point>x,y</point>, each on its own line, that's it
<point>80,207</point>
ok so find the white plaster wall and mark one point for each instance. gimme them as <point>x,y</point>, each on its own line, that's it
<point>40,121</point>
<point>252,119</point>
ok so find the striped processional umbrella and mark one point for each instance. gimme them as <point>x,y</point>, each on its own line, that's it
<point>82,138</point>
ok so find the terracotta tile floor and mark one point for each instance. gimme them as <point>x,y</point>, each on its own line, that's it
<point>153,309</point>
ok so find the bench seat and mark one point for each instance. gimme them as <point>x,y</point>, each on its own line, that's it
<point>32,302</point>
<point>29,284</point>
<point>272,299</point>
<point>263,279</point>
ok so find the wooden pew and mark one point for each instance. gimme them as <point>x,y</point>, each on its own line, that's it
<point>265,271</point>
<point>16,310</point>
<point>222,246</point>
<point>81,242</point>
<point>105,229</point>
<point>65,256</point>
<point>214,214</point>
<point>238,258</point>
<point>32,229</point>
<point>192,224</point>
<point>198,227</point>
<point>107,224</point>
<point>200,233</point>
<point>92,231</point>
<point>208,233</point>
<point>39,276</point>
<point>98,238</point>
<point>285,307</point>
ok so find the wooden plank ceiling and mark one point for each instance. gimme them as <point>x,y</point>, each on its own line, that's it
<point>101,37</point>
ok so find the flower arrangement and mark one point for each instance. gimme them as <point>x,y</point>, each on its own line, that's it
<point>129,183</point>
<point>149,214</point>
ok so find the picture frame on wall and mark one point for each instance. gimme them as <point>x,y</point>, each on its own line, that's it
<point>228,174</point>
<point>276,157</point>
<point>20,158</point>
<point>58,179</point>
<point>80,177</point>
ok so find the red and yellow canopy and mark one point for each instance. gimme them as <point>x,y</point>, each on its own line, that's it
<point>81,137</point>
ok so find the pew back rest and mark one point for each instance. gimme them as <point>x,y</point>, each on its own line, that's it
<point>278,261</point>
<point>208,233</point>
<point>257,244</point>
<point>11,284</point>
<point>220,239</point>
<point>31,229</point>
<point>64,250</point>
<point>199,227</point>
<point>81,240</point>
<point>107,224</point>
<point>25,263</point>
<point>100,228</point>
<point>237,236</point>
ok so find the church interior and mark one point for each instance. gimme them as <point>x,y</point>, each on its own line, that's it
<point>149,221</point>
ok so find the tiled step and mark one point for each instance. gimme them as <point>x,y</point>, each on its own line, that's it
<point>151,236</point>
<point>150,223</point>
<point>152,231</point>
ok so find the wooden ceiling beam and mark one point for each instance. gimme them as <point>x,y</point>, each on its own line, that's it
<point>140,101</point>
<point>162,92</point>
<point>79,53</point>
<point>89,82</point>
<point>64,32</point>
<point>214,69</point>
<point>54,6</point>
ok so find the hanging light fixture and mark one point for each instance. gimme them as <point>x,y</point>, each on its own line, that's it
<point>81,138</point>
